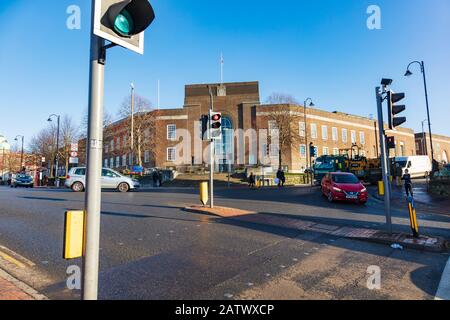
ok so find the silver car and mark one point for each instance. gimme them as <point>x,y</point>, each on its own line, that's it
<point>76,180</point>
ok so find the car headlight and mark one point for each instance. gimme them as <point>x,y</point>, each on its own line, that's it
<point>364,190</point>
<point>337,189</point>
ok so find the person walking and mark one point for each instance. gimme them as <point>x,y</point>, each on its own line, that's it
<point>281,178</point>
<point>155,179</point>
<point>251,180</point>
<point>408,183</point>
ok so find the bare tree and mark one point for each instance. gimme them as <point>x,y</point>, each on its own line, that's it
<point>44,144</point>
<point>281,98</point>
<point>69,132</point>
<point>107,120</point>
<point>144,126</point>
<point>285,128</point>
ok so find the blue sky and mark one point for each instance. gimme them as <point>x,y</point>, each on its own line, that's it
<point>320,49</point>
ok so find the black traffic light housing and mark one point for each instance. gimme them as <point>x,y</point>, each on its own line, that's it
<point>390,142</point>
<point>216,125</point>
<point>204,120</point>
<point>394,109</point>
<point>138,14</point>
<point>312,150</point>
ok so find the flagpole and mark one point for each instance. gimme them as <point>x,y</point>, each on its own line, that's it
<point>221,68</point>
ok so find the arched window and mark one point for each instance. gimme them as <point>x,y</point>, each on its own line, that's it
<point>225,146</point>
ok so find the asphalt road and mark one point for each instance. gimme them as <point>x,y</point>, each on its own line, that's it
<point>151,249</point>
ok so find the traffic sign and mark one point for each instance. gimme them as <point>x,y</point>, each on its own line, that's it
<point>74,147</point>
<point>74,154</point>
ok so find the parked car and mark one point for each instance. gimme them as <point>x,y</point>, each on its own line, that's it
<point>341,186</point>
<point>22,180</point>
<point>76,180</point>
<point>418,166</point>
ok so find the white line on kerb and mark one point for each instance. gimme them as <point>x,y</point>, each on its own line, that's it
<point>443,292</point>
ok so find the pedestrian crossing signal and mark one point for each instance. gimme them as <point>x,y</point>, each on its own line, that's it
<point>216,125</point>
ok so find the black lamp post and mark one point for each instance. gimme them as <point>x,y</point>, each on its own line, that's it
<point>311,104</point>
<point>408,74</point>
<point>57,142</point>
<point>21,154</point>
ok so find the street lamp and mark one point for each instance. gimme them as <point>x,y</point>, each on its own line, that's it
<point>423,138</point>
<point>132,127</point>
<point>21,154</point>
<point>308,162</point>
<point>57,145</point>
<point>408,74</point>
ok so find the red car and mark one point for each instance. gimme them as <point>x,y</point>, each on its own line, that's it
<point>339,186</point>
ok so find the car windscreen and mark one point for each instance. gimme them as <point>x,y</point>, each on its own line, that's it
<point>348,179</point>
<point>402,164</point>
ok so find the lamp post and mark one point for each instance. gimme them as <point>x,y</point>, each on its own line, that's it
<point>132,127</point>
<point>308,162</point>
<point>423,137</point>
<point>408,74</point>
<point>57,145</point>
<point>21,153</point>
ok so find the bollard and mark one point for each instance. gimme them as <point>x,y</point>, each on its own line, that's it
<point>381,188</point>
<point>413,217</point>
<point>204,194</point>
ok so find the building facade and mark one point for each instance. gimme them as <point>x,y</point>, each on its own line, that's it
<point>441,146</point>
<point>172,138</point>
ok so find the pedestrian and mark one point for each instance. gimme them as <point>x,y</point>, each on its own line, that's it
<point>281,178</point>
<point>155,178</point>
<point>408,183</point>
<point>160,179</point>
<point>251,180</point>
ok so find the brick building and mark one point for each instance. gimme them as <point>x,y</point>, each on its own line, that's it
<point>441,145</point>
<point>247,133</point>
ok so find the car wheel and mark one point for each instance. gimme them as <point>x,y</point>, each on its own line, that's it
<point>77,187</point>
<point>330,197</point>
<point>123,187</point>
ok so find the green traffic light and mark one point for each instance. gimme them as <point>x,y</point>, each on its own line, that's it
<point>124,24</point>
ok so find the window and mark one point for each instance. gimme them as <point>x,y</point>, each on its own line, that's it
<point>353,136</point>
<point>171,154</point>
<point>112,145</point>
<point>325,151</point>
<point>274,153</point>
<point>118,143</point>
<point>106,148</point>
<point>124,141</point>
<point>362,138</point>
<point>264,150</point>
<point>147,156</point>
<point>273,128</point>
<point>172,132</point>
<point>303,151</point>
<point>344,135</point>
<point>111,162</point>
<point>117,161</point>
<point>130,159</point>
<point>402,149</point>
<point>313,131</point>
<point>334,134</point>
<point>302,129</point>
<point>106,163</point>
<point>80,172</point>
<point>324,132</point>
<point>124,160</point>
<point>335,151</point>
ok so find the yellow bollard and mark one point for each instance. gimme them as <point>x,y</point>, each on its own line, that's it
<point>381,188</point>
<point>74,233</point>
<point>413,219</point>
<point>204,195</point>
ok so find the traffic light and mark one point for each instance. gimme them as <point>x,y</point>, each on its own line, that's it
<point>216,125</point>
<point>204,121</point>
<point>390,142</point>
<point>312,151</point>
<point>394,109</point>
<point>123,22</point>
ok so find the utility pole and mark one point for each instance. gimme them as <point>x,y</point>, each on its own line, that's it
<point>211,152</point>
<point>384,162</point>
<point>94,169</point>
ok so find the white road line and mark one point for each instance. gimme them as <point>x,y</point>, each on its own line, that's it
<point>443,292</point>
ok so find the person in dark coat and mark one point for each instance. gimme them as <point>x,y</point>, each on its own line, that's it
<point>408,183</point>
<point>155,178</point>
<point>281,178</point>
<point>251,180</point>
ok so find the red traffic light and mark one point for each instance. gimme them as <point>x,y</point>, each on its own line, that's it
<point>216,117</point>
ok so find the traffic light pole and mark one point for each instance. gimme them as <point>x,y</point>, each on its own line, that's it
<point>94,169</point>
<point>211,153</point>
<point>384,162</point>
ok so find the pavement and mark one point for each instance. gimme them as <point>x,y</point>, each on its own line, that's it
<point>151,249</point>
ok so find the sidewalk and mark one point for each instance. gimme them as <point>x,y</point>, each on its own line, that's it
<point>13,289</point>
<point>424,201</point>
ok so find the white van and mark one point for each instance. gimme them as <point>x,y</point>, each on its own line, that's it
<point>418,166</point>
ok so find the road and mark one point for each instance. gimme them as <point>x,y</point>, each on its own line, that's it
<point>151,249</point>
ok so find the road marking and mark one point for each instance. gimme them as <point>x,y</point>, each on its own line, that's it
<point>12,260</point>
<point>443,291</point>
<point>228,295</point>
<point>15,258</point>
